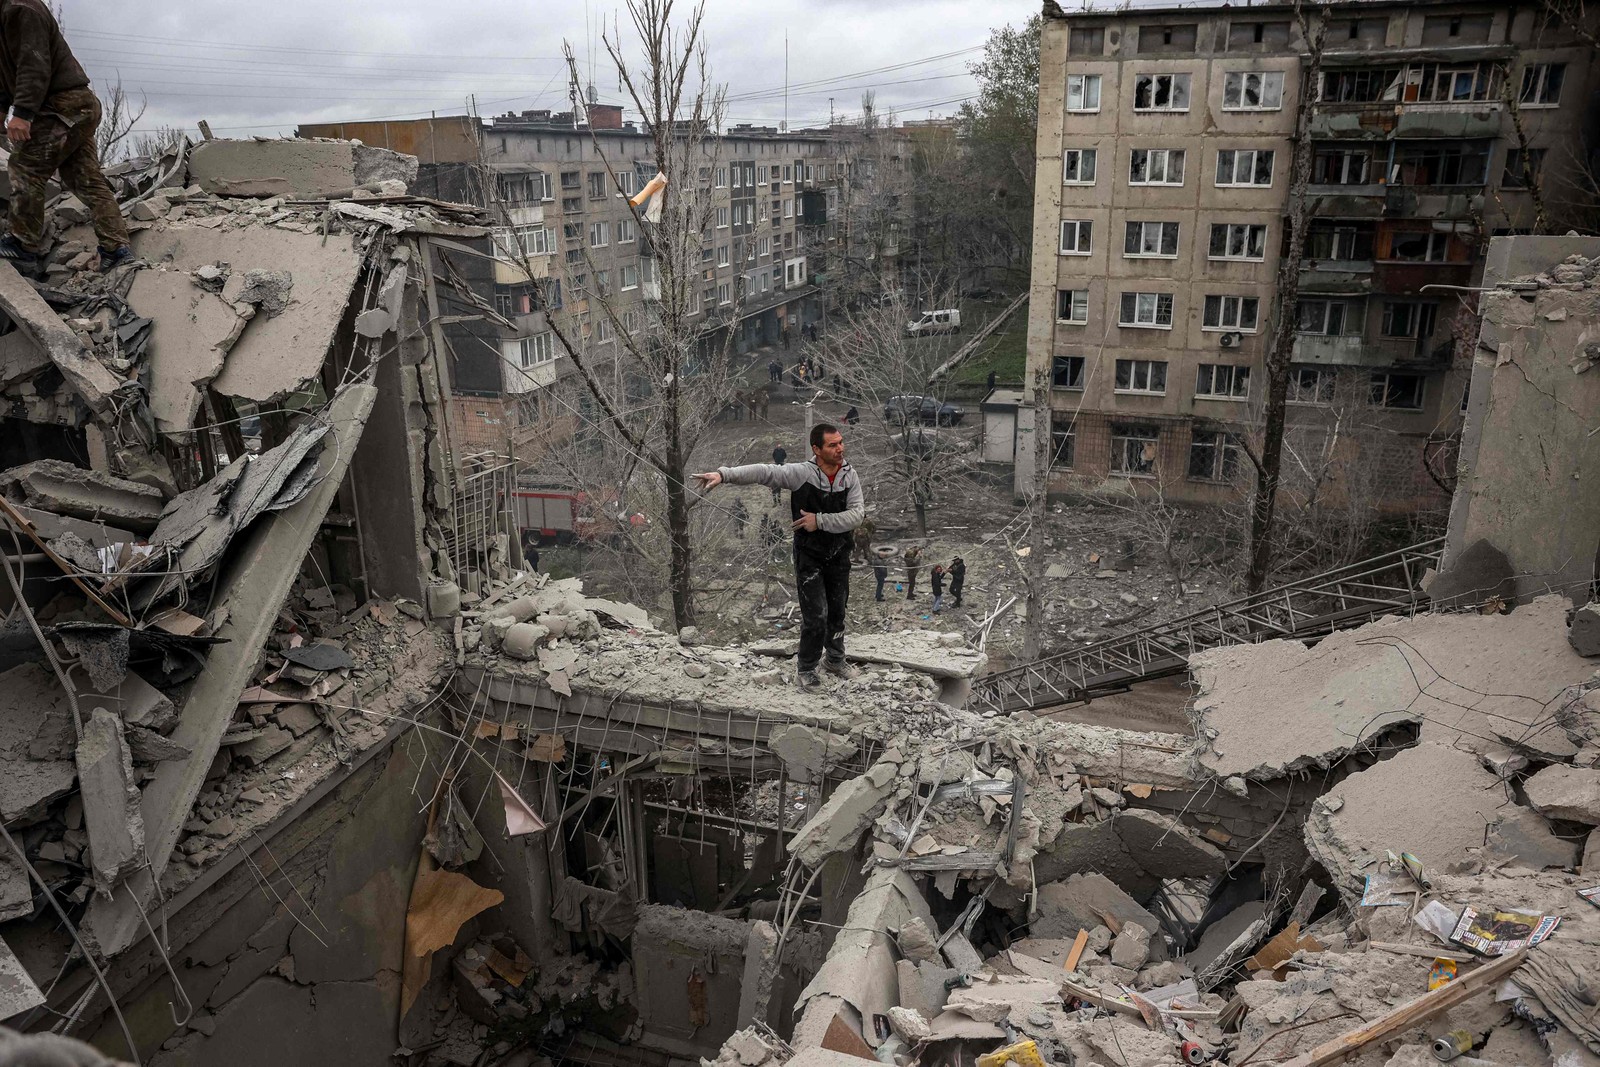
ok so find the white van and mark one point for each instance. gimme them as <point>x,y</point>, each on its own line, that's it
<point>944,321</point>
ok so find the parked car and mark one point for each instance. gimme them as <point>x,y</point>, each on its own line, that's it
<point>945,320</point>
<point>928,410</point>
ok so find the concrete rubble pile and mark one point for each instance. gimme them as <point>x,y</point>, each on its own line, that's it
<point>183,470</point>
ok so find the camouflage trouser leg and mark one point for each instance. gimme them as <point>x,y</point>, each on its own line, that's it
<point>58,144</point>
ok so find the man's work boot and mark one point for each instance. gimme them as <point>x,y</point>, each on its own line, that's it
<point>112,258</point>
<point>843,669</point>
<point>11,248</point>
<point>808,680</point>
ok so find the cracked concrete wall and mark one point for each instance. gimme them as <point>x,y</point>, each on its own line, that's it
<point>321,985</point>
<point>1529,448</point>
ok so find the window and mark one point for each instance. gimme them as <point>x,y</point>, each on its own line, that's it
<point>1430,163</point>
<point>1238,240</point>
<point>1269,36</point>
<point>1161,92</point>
<point>602,282</point>
<point>788,173</point>
<point>1077,166</point>
<point>1456,29</point>
<point>574,256</point>
<point>1419,246</point>
<point>1408,319</point>
<point>1142,376</point>
<point>571,205</point>
<point>1340,241</point>
<point>1146,309</point>
<point>630,321</point>
<point>764,247</point>
<point>722,177</point>
<point>1341,166</point>
<point>627,231</point>
<point>1311,385</point>
<point>504,305</point>
<point>724,294</point>
<point>1155,166</point>
<point>788,209</point>
<point>1086,42</point>
<point>1220,381</point>
<point>722,256</point>
<point>536,350</point>
<point>1150,239</point>
<point>626,182</point>
<point>1252,90</point>
<point>1075,237</point>
<point>1066,372</point>
<point>1522,168</point>
<point>1239,313</point>
<point>597,185</point>
<point>1133,449</point>
<point>603,331</point>
<point>776,171</point>
<point>1213,456</point>
<point>1063,440</point>
<point>722,218</point>
<point>1541,84</point>
<point>1330,318</point>
<point>550,293</point>
<point>571,179</point>
<point>1072,305</point>
<point>1244,166</point>
<point>599,234</point>
<point>572,231</point>
<point>1159,39</point>
<point>1083,92</point>
<point>630,277</point>
<point>1401,391</point>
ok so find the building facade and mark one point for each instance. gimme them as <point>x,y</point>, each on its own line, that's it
<point>1165,151</point>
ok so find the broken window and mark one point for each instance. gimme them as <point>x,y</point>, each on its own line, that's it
<point>1419,247</point>
<point>1155,166</point>
<point>1311,385</point>
<point>1221,381</point>
<point>1231,313</point>
<point>1213,456</point>
<point>1146,309</point>
<point>1083,92</point>
<point>1063,440</point>
<point>1252,90</point>
<point>1089,41</point>
<point>1238,240</point>
<point>1340,241</point>
<point>1243,166</point>
<point>571,179</point>
<point>1541,84</point>
<point>1258,36</point>
<point>1072,305</point>
<point>1147,239</point>
<point>571,205</point>
<point>1134,449</point>
<point>1174,38</point>
<point>1075,236</point>
<point>1428,163</point>
<point>1161,92</point>
<point>1066,372</point>
<point>1141,376</point>
<point>1341,166</point>
<point>504,305</point>
<point>1522,168</point>
<point>1408,318</point>
<point>1077,166</point>
<point>1330,318</point>
<point>1400,391</point>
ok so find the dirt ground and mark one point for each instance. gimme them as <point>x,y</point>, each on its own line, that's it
<point>1097,584</point>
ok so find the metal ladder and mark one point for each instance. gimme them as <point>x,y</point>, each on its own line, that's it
<point>1307,609</point>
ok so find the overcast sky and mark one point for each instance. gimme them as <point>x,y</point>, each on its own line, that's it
<point>261,67</point>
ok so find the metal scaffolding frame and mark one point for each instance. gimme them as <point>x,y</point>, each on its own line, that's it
<point>1304,610</point>
<point>481,509</point>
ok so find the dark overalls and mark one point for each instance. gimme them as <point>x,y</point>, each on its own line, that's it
<point>822,573</point>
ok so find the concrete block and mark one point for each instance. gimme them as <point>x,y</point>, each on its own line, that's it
<point>760,971</point>
<point>922,986</point>
<point>57,486</point>
<point>1583,633</point>
<point>1572,793</point>
<point>521,641</point>
<point>1166,848</point>
<point>806,751</point>
<point>1078,903</point>
<point>1131,947</point>
<point>839,824</point>
<point>111,807</point>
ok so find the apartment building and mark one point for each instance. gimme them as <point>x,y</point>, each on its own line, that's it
<point>775,201</point>
<point>1165,148</point>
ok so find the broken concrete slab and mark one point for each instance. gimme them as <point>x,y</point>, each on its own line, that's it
<point>1583,633</point>
<point>1473,576</point>
<point>1223,933</point>
<point>21,302</point>
<point>111,804</point>
<point>277,354</point>
<point>20,357</point>
<point>1526,839</point>
<point>1264,710</point>
<point>1571,793</point>
<point>1165,847</point>
<point>18,992</point>
<point>297,169</point>
<point>57,486</point>
<point>35,705</point>
<point>1083,847</point>
<point>1004,999</point>
<point>192,331</point>
<point>839,823</point>
<point>939,653</point>
<point>923,986</point>
<point>1082,902</point>
<point>807,752</point>
<point>260,573</point>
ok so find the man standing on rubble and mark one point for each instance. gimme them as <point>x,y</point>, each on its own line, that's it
<point>826,502</point>
<point>54,118</point>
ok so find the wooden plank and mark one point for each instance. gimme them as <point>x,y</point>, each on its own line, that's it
<point>1411,1014</point>
<point>1079,943</point>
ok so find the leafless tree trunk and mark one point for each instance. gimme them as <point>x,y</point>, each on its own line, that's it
<point>118,115</point>
<point>1269,459</point>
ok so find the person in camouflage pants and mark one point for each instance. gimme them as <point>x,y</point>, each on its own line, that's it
<point>54,118</point>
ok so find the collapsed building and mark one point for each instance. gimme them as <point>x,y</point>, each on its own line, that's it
<point>302,763</point>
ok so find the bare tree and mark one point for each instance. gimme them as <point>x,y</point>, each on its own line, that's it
<point>118,116</point>
<point>1268,458</point>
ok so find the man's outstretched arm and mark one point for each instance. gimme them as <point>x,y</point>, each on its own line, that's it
<point>771,475</point>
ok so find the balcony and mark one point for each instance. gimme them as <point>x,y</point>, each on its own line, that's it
<point>1385,119</point>
<point>1432,202</point>
<point>1335,351</point>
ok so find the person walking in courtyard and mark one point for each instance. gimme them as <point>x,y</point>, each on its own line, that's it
<point>880,571</point>
<point>913,564</point>
<point>958,578</point>
<point>827,504</point>
<point>936,580</point>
